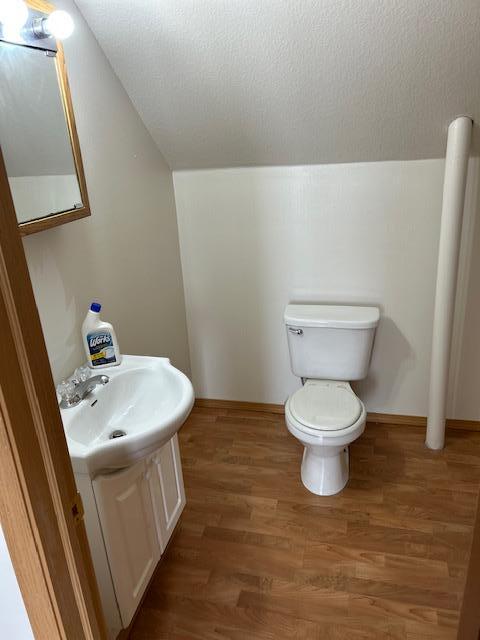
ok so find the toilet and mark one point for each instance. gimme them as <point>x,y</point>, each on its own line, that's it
<point>329,346</point>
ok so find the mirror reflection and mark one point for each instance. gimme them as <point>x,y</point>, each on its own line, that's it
<point>34,136</point>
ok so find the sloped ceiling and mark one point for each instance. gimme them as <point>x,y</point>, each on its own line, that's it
<point>223,83</point>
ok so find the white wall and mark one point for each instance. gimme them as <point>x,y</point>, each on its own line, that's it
<point>14,622</point>
<point>254,239</point>
<point>126,253</point>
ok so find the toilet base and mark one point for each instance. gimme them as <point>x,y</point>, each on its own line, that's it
<point>323,474</point>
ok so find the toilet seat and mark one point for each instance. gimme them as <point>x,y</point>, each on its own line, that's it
<point>325,405</point>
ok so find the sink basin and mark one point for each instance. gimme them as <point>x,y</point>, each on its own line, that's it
<point>144,404</point>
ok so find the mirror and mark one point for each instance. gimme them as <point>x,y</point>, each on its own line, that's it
<point>38,138</point>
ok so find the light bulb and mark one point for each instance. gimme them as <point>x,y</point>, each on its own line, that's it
<point>13,15</point>
<point>59,24</point>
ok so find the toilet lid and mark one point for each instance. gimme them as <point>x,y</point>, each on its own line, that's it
<point>326,405</point>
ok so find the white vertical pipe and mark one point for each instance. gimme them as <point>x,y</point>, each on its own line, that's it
<point>456,164</point>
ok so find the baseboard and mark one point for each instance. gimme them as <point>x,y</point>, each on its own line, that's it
<point>380,418</point>
<point>463,425</point>
<point>421,421</point>
<point>395,418</point>
<point>239,405</point>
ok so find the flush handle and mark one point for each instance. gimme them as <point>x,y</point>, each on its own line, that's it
<point>297,332</point>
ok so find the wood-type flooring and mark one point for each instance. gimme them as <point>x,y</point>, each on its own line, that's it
<point>258,557</point>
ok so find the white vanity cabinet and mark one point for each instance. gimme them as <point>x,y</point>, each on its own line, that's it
<point>167,490</point>
<point>127,519</point>
<point>130,516</point>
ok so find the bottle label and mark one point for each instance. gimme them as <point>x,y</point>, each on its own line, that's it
<point>100,346</point>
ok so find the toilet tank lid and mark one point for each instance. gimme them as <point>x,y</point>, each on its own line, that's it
<point>338,317</point>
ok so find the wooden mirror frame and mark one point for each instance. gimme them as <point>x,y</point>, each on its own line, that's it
<point>56,219</point>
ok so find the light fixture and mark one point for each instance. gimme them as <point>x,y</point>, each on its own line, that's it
<point>58,25</point>
<point>13,16</point>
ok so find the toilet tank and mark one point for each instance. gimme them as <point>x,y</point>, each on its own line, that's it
<point>330,342</point>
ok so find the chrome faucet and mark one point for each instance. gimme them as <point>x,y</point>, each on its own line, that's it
<point>81,390</point>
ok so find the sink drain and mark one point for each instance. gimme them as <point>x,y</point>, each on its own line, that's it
<point>118,433</point>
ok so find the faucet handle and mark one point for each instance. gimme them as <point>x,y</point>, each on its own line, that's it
<point>66,391</point>
<point>81,374</point>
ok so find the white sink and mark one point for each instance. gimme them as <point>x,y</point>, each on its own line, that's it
<point>147,398</point>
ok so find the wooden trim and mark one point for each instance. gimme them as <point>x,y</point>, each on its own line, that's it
<point>50,221</point>
<point>463,425</point>
<point>393,418</point>
<point>469,624</point>
<point>240,405</point>
<point>380,418</point>
<point>421,421</point>
<point>41,5</point>
<point>34,450</point>
<point>15,516</point>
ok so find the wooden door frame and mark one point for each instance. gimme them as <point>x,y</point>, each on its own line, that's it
<point>39,507</point>
<point>469,625</point>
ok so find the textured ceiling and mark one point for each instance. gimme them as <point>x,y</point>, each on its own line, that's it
<point>223,83</point>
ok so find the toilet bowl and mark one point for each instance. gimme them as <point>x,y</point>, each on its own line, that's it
<point>325,416</point>
<point>329,346</point>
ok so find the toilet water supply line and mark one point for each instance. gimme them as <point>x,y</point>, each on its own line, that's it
<point>456,165</point>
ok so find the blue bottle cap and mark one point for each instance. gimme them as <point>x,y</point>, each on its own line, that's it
<point>95,306</point>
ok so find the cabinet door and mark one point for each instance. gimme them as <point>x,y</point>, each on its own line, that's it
<point>168,493</point>
<point>128,523</point>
